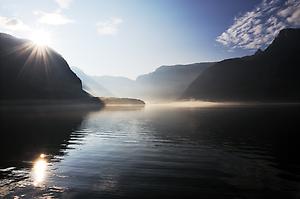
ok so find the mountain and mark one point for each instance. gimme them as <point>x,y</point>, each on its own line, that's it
<point>118,86</point>
<point>164,84</point>
<point>269,75</point>
<point>31,72</point>
<point>169,82</point>
<point>90,85</point>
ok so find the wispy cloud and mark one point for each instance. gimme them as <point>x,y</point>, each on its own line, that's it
<point>13,24</point>
<point>109,27</point>
<point>64,3</point>
<point>258,27</point>
<point>52,18</point>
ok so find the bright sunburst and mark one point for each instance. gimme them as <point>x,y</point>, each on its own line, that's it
<point>40,38</point>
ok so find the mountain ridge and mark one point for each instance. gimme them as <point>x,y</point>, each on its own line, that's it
<point>271,75</point>
<point>29,72</point>
<point>163,84</point>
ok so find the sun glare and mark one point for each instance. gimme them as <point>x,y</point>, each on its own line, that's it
<point>40,38</point>
<point>39,170</point>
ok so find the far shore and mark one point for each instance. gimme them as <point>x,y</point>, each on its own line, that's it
<point>115,101</point>
<point>198,103</point>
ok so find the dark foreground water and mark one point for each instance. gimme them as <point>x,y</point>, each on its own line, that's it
<point>152,152</point>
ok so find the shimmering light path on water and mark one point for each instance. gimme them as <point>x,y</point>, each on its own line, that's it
<point>221,152</point>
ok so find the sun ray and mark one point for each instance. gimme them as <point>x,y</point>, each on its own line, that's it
<point>35,53</point>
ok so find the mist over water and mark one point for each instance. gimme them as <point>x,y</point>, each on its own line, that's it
<point>203,104</point>
<point>202,150</point>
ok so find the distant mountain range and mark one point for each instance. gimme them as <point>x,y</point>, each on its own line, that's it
<point>118,86</point>
<point>269,75</point>
<point>30,72</point>
<point>90,85</point>
<point>166,83</point>
<point>169,82</point>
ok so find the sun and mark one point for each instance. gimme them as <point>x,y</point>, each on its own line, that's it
<point>40,38</point>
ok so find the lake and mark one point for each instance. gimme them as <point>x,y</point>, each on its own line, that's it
<point>151,152</point>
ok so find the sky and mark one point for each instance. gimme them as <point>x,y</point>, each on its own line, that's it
<point>133,37</point>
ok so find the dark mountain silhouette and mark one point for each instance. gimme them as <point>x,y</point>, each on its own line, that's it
<point>31,72</point>
<point>169,82</point>
<point>269,75</point>
<point>90,85</point>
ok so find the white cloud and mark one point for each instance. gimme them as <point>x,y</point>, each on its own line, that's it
<point>64,3</point>
<point>13,24</point>
<point>258,27</point>
<point>109,27</point>
<point>295,17</point>
<point>285,12</point>
<point>52,18</point>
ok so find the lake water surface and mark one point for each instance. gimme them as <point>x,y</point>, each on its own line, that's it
<point>151,152</point>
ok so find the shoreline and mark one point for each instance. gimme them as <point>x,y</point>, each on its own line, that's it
<point>204,104</point>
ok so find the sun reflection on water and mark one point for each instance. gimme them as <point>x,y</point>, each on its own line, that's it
<point>39,170</point>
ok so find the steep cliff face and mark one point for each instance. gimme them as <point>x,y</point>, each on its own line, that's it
<point>31,72</point>
<point>270,75</point>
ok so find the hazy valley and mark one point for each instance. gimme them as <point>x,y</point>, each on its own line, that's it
<point>266,76</point>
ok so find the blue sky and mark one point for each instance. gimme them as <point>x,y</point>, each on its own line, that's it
<point>133,37</point>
